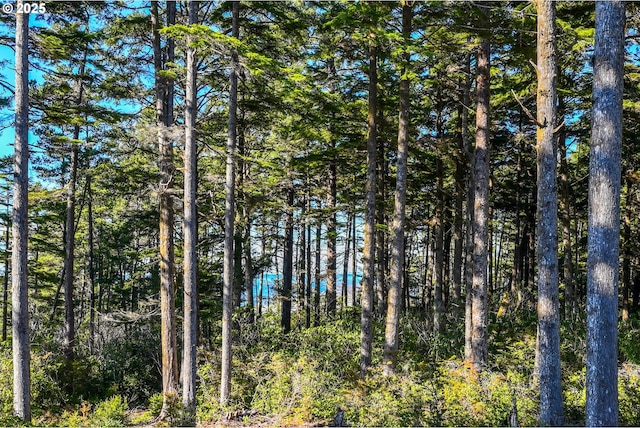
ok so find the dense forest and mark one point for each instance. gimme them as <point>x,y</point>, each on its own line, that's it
<point>344,213</point>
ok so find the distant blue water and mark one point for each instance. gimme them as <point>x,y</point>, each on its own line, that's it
<point>270,280</point>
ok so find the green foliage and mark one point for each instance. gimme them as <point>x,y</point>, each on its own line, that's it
<point>110,413</point>
<point>628,394</point>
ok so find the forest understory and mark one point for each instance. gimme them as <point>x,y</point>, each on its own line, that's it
<point>303,378</point>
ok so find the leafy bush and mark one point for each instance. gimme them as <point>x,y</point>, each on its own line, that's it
<point>110,413</point>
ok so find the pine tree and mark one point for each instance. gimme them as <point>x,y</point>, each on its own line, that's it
<point>604,216</point>
<point>548,348</point>
<point>19,257</point>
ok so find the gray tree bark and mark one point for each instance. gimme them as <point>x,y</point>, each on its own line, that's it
<point>603,237</point>
<point>229,215</point>
<point>479,298</point>
<point>164,113</point>
<point>548,349</point>
<point>331,234</point>
<point>20,231</point>
<point>394,302</point>
<point>190,229</point>
<point>287,268</point>
<point>368,255</point>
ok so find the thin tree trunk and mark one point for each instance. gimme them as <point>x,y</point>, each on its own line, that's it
<point>397,228</point>
<point>190,230</point>
<point>92,272</point>
<point>458,220</point>
<point>248,263</point>
<point>287,268</point>
<point>302,260</point>
<point>354,263</point>
<point>70,237</point>
<point>69,319</point>
<point>565,216</point>
<point>5,282</point>
<point>479,301</point>
<point>468,264</point>
<point>547,223</point>
<point>308,260</point>
<point>603,237</point>
<point>368,257</point>
<point>229,215</point>
<point>316,283</point>
<point>379,301</point>
<point>345,263</point>
<point>627,250</point>
<point>438,304</point>
<point>260,290</point>
<point>20,231</point>
<point>331,233</point>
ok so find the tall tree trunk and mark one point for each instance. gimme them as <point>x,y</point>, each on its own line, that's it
<point>247,261</point>
<point>627,249</point>
<point>479,299</point>
<point>368,256</point>
<point>302,260</point>
<point>287,268</point>
<point>308,259</point>
<point>261,289</point>
<point>345,262</point>
<point>468,264</point>
<point>565,215</point>
<point>438,304</point>
<point>331,238</point>
<point>316,282</point>
<point>164,112</point>
<point>380,303</point>
<point>20,231</point>
<point>190,230</point>
<point>5,280</point>
<point>70,237</point>
<point>92,271</point>
<point>547,223</point>
<point>397,228</point>
<point>69,319</point>
<point>354,263</point>
<point>458,220</point>
<point>229,215</point>
<point>603,237</point>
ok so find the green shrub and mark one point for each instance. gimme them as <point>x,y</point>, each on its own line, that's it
<point>110,413</point>
<point>629,394</point>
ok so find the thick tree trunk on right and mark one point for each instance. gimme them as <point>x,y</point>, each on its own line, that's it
<point>20,230</point>
<point>229,216</point>
<point>397,228</point>
<point>479,298</point>
<point>368,255</point>
<point>548,349</point>
<point>603,237</point>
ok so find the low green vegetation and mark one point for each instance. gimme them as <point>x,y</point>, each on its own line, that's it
<point>304,378</point>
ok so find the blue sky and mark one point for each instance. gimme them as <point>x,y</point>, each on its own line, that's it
<point>7,54</point>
